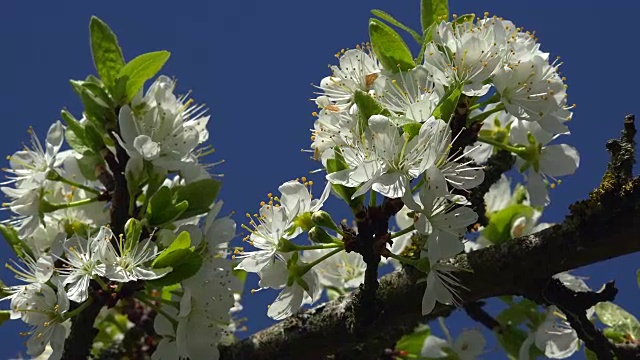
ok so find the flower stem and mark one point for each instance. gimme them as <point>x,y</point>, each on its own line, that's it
<point>318,246</point>
<point>320,259</point>
<point>79,309</point>
<point>501,145</point>
<point>47,207</point>
<point>480,117</point>
<point>403,231</point>
<point>402,259</point>
<point>102,284</point>
<point>493,99</point>
<point>372,198</point>
<point>55,176</point>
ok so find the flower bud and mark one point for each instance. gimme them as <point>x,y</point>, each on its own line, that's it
<point>319,235</point>
<point>322,218</point>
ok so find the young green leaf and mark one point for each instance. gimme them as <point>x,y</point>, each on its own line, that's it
<point>448,105</point>
<point>619,319</point>
<point>167,257</point>
<point>499,228</point>
<point>107,55</point>
<point>188,265</point>
<point>392,52</point>
<point>431,11</point>
<point>199,194</point>
<point>412,343</point>
<point>411,130</point>
<point>133,230</point>
<point>136,72</point>
<point>87,164</point>
<point>344,192</point>
<point>367,107</point>
<point>162,208</point>
<point>391,20</point>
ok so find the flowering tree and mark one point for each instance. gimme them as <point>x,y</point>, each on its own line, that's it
<point>122,248</point>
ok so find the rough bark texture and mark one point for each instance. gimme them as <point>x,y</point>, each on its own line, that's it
<point>603,227</point>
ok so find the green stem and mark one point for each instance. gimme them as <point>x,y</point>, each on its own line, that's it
<point>403,231</point>
<point>501,145</point>
<point>418,185</point>
<point>102,284</point>
<point>493,99</point>
<point>480,117</point>
<point>79,309</point>
<point>47,207</point>
<point>403,259</point>
<point>149,302</point>
<point>318,246</point>
<point>372,198</point>
<point>319,260</point>
<point>79,186</point>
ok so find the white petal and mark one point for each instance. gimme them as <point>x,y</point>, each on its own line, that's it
<point>148,148</point>
<point>433,347</point>
<point>288,301</point>
<point>559,160</point>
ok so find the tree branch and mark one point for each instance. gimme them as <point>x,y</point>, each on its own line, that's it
<point>602,227</point>
<point>78,345</point>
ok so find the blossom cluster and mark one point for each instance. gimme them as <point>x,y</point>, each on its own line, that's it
<point>69,257</point>
<point>389,128</point>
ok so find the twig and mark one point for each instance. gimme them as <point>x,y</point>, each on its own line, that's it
<point>478,314</point>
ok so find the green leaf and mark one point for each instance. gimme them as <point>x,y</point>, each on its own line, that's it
<point>412,129</point>
<point>107,55</point>
<point>18,246</point>
<point>412,343</point>
<point>390,19</point>
<point>511,339</point>
<point>615,335</point>
<point>427,37</point>
<point>167,290</point>
<point>447,106</point>
<point>82,137</point>
<point>75,134</point>
<point>619,319</point>
<point>174,251</point>
<point>464,18</point>
<point>137,71</point>
<point>200,195</point>
<point>189,266</point>
<point>97,109</point>
<point>499,228</point>
<point>638,277</point>
<point>133,231</point>
<point>88,163</point>
<point>431,11</point>
<point>344,192</point>
<point>367,107</point>
<point>162,209</point>
<point>518,313</point>
<point>391,50</point>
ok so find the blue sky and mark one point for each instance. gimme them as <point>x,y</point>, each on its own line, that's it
<point>253,62</point>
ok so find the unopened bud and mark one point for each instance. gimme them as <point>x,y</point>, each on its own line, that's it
<point>319,235</point>
<point>322,218</point>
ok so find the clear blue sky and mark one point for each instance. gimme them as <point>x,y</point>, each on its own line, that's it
<point>252,63</point>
